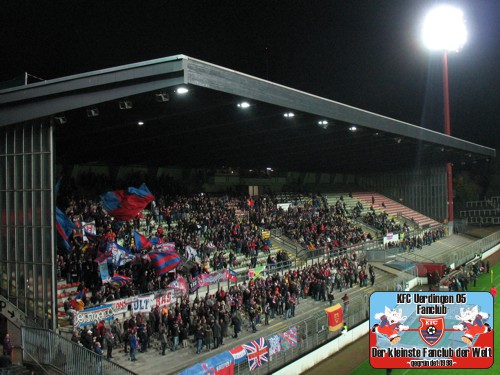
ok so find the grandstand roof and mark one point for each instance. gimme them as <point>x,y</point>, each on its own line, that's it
<point>206,128</point>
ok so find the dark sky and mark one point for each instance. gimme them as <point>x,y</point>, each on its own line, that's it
<point>364,53</point>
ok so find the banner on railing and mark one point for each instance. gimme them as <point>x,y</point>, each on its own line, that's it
<point>213,278</point>
<point>335,317</point>
<point>220,364</point>
<point>194,285</point>
<point>210,279</point>
<point>167,299</point>
<point>121,306</point>
<point>93,315</point>
<point>144,303</point>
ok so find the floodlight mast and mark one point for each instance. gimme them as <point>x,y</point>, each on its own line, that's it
<point>444,30</point>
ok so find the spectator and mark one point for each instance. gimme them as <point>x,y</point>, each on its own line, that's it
<point>7,345</point>
<point>109,339</point>
<point>163,341</point>
<point>98,351</point>
<point>345,299</point>
<point>199,338</point>
<point>134,344</point>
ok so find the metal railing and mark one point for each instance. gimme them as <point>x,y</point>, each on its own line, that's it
<point>484,220</point>
<point>494,212</point>
<point>457,255</point>
<point>45,348</point>
<point>463,255</point>
<point>475,204</point>
<point>385,254</point>
<point>312,332</point>
<point>13,370</point>
<point>310,256</point>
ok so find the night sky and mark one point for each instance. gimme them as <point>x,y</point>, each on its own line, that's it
<point>364,53</point>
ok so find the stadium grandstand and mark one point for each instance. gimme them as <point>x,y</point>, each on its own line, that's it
<point>175,204</point>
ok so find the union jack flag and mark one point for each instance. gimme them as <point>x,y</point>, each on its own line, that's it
<point>257,353</point>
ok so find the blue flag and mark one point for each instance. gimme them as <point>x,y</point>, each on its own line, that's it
<point>64,228</point>
<point>119,255</point>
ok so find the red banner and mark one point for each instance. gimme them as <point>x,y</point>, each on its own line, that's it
<point>335,317</point>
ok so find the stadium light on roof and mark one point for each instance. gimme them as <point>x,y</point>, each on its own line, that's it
<point>182,90</point>
<point>244,104</point>
<point>444,29</point>
<point>289,114</point>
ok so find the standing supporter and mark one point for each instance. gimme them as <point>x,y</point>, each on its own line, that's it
<point>217,330</point>
<point>199,338</point>
<point>134,344</point>
<point>7,345</point>
<point>236,323</point>
<point>109,339</point>
<point>345,299</point>
<point>163,341</point>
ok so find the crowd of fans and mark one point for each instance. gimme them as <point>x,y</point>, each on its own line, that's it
<point>222,231</point>
<point>208,320</point>
<point>385,223</point>
<point>413,242</point>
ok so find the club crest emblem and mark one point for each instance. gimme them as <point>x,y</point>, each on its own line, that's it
<point>431,330</point>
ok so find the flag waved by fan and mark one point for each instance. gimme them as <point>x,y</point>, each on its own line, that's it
<point>164,262</point>
<point>119,280</point>
<point>64,228</point>
<point>119,255</point>
<point>179,284</point>
<point>124,205</point>
<point>141,242</point>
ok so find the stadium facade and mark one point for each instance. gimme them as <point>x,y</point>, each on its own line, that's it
<point>93,119</point>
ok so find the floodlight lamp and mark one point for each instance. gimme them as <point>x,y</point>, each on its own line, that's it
<point>162,96</point>
<point>140,123</point>
<point>444,29</point>
<point>289,114</point>
<point>92,112</point>
<point>125,104</point>
<point>60,119</point>
<point>182,90</point>
<point>244,105</point>
<point>353,128</point>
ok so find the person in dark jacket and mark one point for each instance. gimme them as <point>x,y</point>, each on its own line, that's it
<point>175,336</point>
<point>86,339</point>
<point>7,345</point>
<point>98,351</point>
<point>236,323</point>
<point>184,336</point>
<point>198,335</point>
<point>109,339</point>
<point>217,329</point>
<point>208,337</point>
